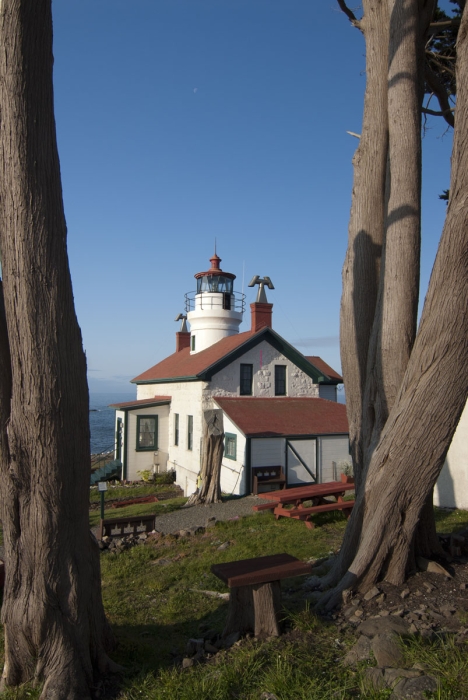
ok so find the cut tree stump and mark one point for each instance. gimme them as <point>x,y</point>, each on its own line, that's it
<point>255,596</point>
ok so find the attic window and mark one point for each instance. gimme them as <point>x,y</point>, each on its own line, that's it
<point>280,380</point>
<point>245,380</point>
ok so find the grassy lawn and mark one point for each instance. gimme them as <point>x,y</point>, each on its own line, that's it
<point>154,600</point>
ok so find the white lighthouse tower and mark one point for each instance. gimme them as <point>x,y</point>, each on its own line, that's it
<point>214,311</point>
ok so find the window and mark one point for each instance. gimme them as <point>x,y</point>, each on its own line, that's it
<point>190,432</point>
<point>147,433</point>
<point>280,380</point>
<point>246,376</point>
<point>193,344</point>
<point>230,446</point>
<point>176,428</point>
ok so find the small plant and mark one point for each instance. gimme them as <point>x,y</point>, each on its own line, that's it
<point>147,476</point>
<point>346,467</point>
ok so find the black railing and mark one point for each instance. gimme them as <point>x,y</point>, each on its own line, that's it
<point>233,301</point>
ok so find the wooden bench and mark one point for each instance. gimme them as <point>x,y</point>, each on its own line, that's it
<point>255,595</point>
<point>305,513</point>
<point>139,523</point>
<point>267,475</point>
<point>264,506</point>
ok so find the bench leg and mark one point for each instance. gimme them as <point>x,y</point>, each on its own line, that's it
<point>255,609</point>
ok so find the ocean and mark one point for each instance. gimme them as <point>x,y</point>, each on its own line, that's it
<point>102,419</point>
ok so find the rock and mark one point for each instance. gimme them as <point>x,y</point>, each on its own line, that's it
<point>399,612</point>
<point>380,625</point>
<point>433,567</point>
<point>414,688</point>
<point>230,639</point>
<point>413,629</point>
<point>185,533</point>
<point>268,696</point>
<point>380,599</point>
<point>372,593</point>
<point>429,587</point>
<point>143,536</point>
<point>387,650</point>
<point>359,613</point>
<point>384,613</point>
<point>359,652</point>
<point>374,677</point>
<point>405,593</point>
<point>463,586</point>
<point>187,663</point>
<point>447,610</point>
<point>223,546</point>
<point>393,675</point>
<point>211,522</point>
<point>210,648</point>
<point>194,646</point>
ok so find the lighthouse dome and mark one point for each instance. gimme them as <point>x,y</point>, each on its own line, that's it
<point>214,311</point>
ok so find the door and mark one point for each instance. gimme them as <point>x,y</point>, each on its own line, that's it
<point>300,462</point>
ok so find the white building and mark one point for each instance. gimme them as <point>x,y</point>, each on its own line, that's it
<point>279,406</point>
<point>451,489</point>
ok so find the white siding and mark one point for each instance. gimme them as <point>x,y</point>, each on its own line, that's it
<point>267,452</point>
<point>451,489</point>
<point>327,392</point>
<point>233,472</point>
<point>331,449</point>
<point>296,473</point>
<point>142,460</point>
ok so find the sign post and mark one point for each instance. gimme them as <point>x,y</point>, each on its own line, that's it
<point>102,487</point>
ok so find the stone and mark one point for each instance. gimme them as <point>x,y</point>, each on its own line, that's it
<point>210,634</point>
<point>231,639</point>
<point>447,610</point>
<point>429,587</point>
<point>405,593</point>
<point>414,688</point>
<point>380,625</point>
<point>359,652</point>
<point>393,675</point>
<point>372,593</point>
<point>223,546</point>
<point>374,677</point>
<point>384,613</point>
<point>187,663</point>
<point>211,522</point>
<point>413,629</point>
<point>210,648</point>
<point>380,599</point>
<point>433,567</point>
<point>359,613</point>
<point>387,650</point>
<point>399,612</point>
<point>463,586</point>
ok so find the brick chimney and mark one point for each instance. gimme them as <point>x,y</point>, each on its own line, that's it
<point>182,340</point>
<point>261,315</point>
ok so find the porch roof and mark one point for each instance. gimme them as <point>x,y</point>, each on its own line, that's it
<point>285,416</point>
<point>142,403</point>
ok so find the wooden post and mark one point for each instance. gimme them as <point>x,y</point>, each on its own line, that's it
<point>256,609</point>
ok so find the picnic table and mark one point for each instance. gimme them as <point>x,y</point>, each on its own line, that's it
<point>289,503</point>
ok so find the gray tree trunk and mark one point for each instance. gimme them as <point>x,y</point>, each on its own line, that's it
<point>212,457</point>
<point>55,627</point>
<point>407,460</point>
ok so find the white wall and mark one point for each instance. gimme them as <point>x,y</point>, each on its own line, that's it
<point>233,472</point>
<point>141,460</point>
<point>451,489</point>
<point>263,357</point>
<point>186,400</point>
<point>332,448</point>
<point>328,391</point>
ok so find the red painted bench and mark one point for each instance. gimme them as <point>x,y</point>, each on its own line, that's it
<point>255,596</point>
<point>306,513</point>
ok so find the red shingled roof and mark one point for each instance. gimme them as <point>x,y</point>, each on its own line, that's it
<point>323,367</point>
<point>140,403</point>
<point>276,417</point>
<point>183,364</point>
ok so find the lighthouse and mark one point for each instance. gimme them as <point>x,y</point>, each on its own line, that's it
<point>214,311</point>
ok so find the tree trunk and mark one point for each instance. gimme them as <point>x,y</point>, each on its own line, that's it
<point>361,268</point>
<point>212,457</point>
<point>414,442</point>
<point>55,628</point>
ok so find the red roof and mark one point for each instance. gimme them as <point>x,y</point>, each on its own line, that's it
<point>139,403</point>
<point>183,364</point>
<point>276,417</point>
<point>323,367</point>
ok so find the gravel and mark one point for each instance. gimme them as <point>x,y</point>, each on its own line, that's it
<point>197,516</point>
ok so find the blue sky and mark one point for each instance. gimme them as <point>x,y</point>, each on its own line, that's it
<point>182,121</point>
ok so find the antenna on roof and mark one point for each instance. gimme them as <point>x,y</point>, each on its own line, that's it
<point>261,294</point>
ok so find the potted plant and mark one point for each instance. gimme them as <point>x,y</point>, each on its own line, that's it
<point>347,474</point>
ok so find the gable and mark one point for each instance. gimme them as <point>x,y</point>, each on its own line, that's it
<point>201,366</point>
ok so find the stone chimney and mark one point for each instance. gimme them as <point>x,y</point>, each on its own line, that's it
<point>182,340</point>
<point>261,315</point>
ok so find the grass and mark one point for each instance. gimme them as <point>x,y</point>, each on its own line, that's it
<point>154,600</point>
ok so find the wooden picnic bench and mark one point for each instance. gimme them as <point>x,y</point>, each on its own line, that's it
<point>139,523</point>
<point>288,503</point>
<point>263,476</point>
<point>255,595</point>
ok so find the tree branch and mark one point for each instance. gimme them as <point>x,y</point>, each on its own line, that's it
<point>436,27</point>
<point>425,110</point>
<point>438,89</point>
<point>349,14</point>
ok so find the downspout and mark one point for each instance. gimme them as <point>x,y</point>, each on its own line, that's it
<point>124,451</point>
<point>248,465</point>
